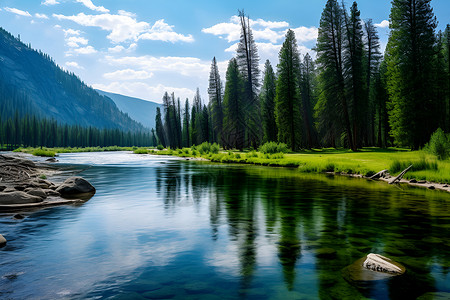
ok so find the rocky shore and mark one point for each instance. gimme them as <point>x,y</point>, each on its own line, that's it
<point>23,187</point>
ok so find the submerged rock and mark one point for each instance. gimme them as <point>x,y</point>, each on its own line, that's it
<point>2,241</point>
<point>372,267</point>
<point>19,217</point>
<point>18,197</point>
<point>380,263</point>
<point>74,186</point>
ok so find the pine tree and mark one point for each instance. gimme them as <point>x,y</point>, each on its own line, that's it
<point>215,99</point>
<point>267,98</point>
<point>414,114</point>
<point>287,100</point>
<point>186,135</point>
<point>248,61</point>
<point>373,58</point>
<point>307,78</point>
<point>233,105</point>
<point>160,128</point>
<point>332,106</point>
<point>354,74</point>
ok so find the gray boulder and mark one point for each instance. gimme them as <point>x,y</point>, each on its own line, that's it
<point>9,190</point>
<point>2,241</point>
<point>36,192</point>
<point>75,186</point>
<point>18,197</point>
<point>50,192</point>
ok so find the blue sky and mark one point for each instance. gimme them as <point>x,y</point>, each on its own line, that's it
<point>143,48</point>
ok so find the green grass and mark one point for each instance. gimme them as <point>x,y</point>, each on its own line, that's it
<point>36,151</point>
<point>43,152</point>
<point>366,162</point>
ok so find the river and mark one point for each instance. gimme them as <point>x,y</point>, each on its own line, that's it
<point>164,228</point>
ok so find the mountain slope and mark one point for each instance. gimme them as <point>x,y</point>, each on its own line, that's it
<point>33,80</point>
<point>140,110</point>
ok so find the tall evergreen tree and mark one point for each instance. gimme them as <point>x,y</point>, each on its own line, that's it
<point>215,92</point>
<point>186,135</point>
<point>373,58</point>
<point>267,98</point>
<point>233,104</point>
<point>414,113</point>
<point>332,106</point>
<point>354,74</point>
<point>307,78</point>
<point>287,100</point>
<point>248,61</point>
<point>160,128</point>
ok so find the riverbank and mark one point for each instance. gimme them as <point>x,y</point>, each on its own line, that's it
<point>427,171</point>
<point>52,152</point>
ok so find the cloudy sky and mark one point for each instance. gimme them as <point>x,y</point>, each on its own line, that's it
<point>142,48</point>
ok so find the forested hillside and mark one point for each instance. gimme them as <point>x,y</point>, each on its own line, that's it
<point>352,95</point>
<point>32,84</point>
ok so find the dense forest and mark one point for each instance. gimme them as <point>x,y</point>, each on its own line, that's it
<point>32,131</point>
<point>350,96</point>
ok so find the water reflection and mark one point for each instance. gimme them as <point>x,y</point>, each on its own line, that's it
<point>331,221</point>
<point>175,229</point>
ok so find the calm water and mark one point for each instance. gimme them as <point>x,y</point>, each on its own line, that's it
<point>161,228</point>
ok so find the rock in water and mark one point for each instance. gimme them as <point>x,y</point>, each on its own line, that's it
<point>373,267</point>
<point>380,263</point>
<point>2,241</point>
<point>18,197</point>
<point>74,186</point>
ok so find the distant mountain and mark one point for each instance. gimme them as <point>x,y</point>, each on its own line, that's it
<point>140,110</point>
<point>31,83</point>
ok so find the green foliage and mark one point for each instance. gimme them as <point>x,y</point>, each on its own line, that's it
<point>43,176</point>
<point>287,100</point>
<point>160,147</point>
<point>418,165</point>
<point>273,147</point>
<point>44,152</point>
<point>140,151</point>
<point>439,144</point>
<point>414,106</point>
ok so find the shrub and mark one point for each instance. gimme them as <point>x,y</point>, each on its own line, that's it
<point>439,144</point>
<point>204,147</point>
<point>140,151</point>
<point>215,148</point>
<point>45,153</point>
<point>160,147</point>
<point>272,147</point>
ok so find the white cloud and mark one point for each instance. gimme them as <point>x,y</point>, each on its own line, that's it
<point>126,13</point>
<point>187,66</point>
<point>144,91</point>
<point>17,11</point>
<point>116,49</point>
<point>49,2</point>
<point>125,28</point>
<point>69,31</point>
<point>85,50</point>
<point>90,5</point>
<point>161,31</point>
<point>41,16</point>
<point>232,31</point>
<point>74,64</point>
<point>306,34</point>
<point>76,41</point>
<point>128,74</point>
<point>383,24</point>
<point>262,30</point>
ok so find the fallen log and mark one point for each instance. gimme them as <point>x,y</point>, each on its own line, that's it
<point>400,176</point>
<point>379,174</point>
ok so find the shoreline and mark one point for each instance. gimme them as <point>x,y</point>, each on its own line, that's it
<point>412,182</point>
